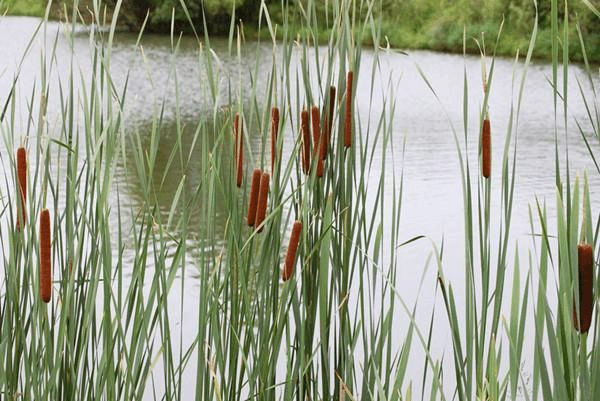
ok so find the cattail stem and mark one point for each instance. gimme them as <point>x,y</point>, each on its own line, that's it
<point>236,130</point>
<point>290,257</point>
<point>239,149</point>
<point>305,142</point>
<point>22,187</point>
<point>486,144</point>
<point>254,190</point>
<point>45,257</point>
<point>585,254</point>
<point>348,117</point>
<point>274,133</point>
<point>317,140</point>
<point>263,197</point>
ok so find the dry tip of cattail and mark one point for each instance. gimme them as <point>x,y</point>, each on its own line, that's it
<point>305,142</point>
<point>239,150</point>
<point>274,133</point>
<point>486,143</point>
<point>290,256</point>
<point>22,186</point>
<point>585,254</point>
<point>348,117</point>
<point>317,140</point>
<point>253,203</point>
<point>45,257</point>
<point>263,197</point>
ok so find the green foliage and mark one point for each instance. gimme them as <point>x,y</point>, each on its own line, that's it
<point>218,13</point>
<point>439,24</point>
<point>23,7</point>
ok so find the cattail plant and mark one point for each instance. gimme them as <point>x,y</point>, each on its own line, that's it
<point>22,186</point>
<point>274,133</point>
<point>45,257</point>
<point>290,256</point>
<point>348,117</point>
<point>486,149</point>
<point>317,140</point>
<point>253,203</point>
<point>239,149</point>
<point>328,115</point>
<point>305,142</point>
<point>585,253</point>
<point>263,197</point>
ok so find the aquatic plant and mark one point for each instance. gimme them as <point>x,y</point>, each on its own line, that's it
<point>290,256</point>
<point>348,113</point>
<point>305,137</point>
<point>262,203</point>
<point>45,257</point>
<point>253,200</point>
<point>22,186</point>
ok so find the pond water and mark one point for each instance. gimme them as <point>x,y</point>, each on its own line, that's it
<point>432,199</point>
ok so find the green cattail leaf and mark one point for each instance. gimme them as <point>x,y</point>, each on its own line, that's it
<point>324,247</point>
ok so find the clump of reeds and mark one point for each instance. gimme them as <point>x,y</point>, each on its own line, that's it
<point>22,186</point>
<point>317,140</point>
<point>263,197</point>
<point>290,257</point>
<point>348,116</point>
<point>274,133</point>
<point>239,149</point>
<point>585,253</point>
<point>486,162</point>
<point>304,118</point>
<point>45,257</point>
<point>253,202</point>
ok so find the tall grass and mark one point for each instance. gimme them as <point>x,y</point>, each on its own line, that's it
<point>334,325</point>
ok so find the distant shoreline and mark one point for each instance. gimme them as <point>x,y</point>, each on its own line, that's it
<point>398,37</point>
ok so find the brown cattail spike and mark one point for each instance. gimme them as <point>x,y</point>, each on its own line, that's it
<point>274,133</point>
<point>263,197</point>
<point>254,188</point>
<point>290,257</point>
<point>585,254</point>
<point>22,186</point>
<point>486,144</point>
<point>45,257</point>
<point>329,121</point>
<point>317,140</point>
<point>305,142</point>
<point>348,117</point>
<point>239,149</point>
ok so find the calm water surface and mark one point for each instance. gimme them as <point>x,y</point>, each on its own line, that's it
<point>432,200</point>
